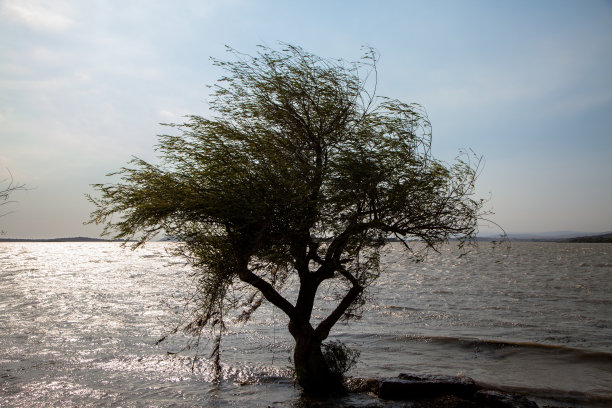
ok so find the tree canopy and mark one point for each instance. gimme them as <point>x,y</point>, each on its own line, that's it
<point>301,172</point>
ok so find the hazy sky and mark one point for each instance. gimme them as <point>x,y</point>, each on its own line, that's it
<point>84,85</point>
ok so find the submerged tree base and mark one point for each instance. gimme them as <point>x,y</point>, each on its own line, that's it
<point>320,367</point>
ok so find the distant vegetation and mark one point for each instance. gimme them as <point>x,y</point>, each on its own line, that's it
<point>554,237</point>
<point>607,237</point>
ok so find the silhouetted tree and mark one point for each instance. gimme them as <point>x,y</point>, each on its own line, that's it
<point>302,172</point>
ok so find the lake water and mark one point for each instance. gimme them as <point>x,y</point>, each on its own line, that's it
<point>79,322</point>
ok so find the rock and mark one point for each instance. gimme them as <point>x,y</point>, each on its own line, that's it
<point>426,386</point>
<point>435,391</point>
<point>496,399</point>
<point>448,401</point>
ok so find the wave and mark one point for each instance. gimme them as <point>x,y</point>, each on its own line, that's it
<point>576,375</point>
<point>597,265</point>
<point>495,344</point>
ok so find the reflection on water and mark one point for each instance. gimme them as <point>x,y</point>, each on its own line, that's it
<point>80,320</point>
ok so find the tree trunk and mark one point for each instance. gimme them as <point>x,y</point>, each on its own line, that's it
<point>311,369</point>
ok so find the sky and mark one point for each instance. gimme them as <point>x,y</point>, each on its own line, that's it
<point>84,86</point>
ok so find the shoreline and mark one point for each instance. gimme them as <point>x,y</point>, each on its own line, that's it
<point>425,391</point>
<point>69,239</point>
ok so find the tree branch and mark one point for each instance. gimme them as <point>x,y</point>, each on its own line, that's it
<point>322,330</point>
<point>268,291</point>
<point>331,261</point>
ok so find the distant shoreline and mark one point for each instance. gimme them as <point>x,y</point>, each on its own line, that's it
<point>70,239</point>
<point>593,238</point>
<point>600,238</point>
<point>576,240</point>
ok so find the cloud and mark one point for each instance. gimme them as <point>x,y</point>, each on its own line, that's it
<point>35,15</point>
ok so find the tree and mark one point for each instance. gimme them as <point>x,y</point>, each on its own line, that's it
<point>301,176</point>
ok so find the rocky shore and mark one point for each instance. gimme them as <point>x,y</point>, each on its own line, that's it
<point>429,391</point>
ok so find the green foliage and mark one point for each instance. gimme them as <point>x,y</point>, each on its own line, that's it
<point>303,171</point>
<point>339,357</point>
